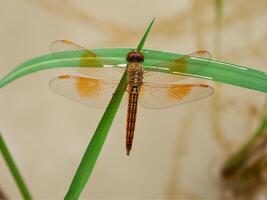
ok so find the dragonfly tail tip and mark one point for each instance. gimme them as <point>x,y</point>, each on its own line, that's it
<point>128,152</point>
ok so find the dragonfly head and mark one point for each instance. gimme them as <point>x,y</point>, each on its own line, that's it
<point>135,56</point>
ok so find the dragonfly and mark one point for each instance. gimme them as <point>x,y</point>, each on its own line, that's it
<point>94,86</point>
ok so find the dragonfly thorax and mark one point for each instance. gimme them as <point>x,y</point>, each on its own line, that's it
<point>135,73</point>
<point>135,70</point>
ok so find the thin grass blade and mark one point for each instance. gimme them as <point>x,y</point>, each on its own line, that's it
<point>142,41</point>
<point>94,148</point>
<point>14,170</point>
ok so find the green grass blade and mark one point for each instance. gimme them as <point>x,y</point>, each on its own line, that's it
<point>142,41</point>
<point>14,170</point>
<point>93,150</point>
<point>215,70</point>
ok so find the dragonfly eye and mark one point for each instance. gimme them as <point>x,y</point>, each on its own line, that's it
<point>135,56</point>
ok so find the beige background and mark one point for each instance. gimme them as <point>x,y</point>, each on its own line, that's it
<point>178,152</point>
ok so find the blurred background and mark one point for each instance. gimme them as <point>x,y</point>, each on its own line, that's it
<point>177,153</point>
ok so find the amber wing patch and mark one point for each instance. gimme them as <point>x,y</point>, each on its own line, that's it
<point>179,91</point>
<point>88,58</point>
<point>179,65</point>
<point>87,87</point>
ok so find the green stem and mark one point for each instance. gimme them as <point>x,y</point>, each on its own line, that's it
<point>93,150</point>
<point>14,170</point>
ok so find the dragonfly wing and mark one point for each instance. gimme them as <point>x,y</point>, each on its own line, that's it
<point>150,76</point>
<point>187,64</point>
<point>166,95</point>
<point>87,61</point>
<point>95,93</point>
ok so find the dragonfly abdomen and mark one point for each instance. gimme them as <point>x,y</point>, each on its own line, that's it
<point>135,77</point>
<point>131,117</point>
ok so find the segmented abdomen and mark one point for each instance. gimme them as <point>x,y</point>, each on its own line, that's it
<point>131,117</point>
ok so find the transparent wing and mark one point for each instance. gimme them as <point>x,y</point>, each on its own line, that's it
<point>91,64</point>
<point>181,65</point>
<point>95,93</point>
<point>166,95</point>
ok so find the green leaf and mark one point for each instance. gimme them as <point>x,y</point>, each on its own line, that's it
<point>214,70</point>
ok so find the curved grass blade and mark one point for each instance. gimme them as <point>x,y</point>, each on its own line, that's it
<point>216,70</point>
<point>14,170</point>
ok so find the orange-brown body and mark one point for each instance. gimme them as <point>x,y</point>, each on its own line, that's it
<point>135,73</point>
